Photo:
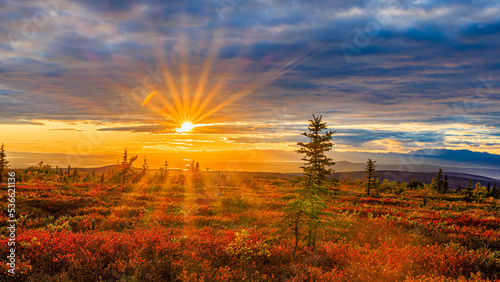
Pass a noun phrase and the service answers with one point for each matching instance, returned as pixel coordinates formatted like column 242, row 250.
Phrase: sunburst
column 186, row 127
column 192, row 93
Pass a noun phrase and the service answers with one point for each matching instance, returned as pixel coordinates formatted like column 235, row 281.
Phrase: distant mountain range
column 460, row 156
column 454, row 179
column 455, row 158
column 427, row 160
column 408, row 169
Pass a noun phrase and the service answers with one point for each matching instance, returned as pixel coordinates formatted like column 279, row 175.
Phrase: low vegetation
column 228, row 230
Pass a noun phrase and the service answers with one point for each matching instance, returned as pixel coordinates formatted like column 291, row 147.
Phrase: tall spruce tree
column 3, row 162
column 370, row 175
column 316, row 167
column 303, row 210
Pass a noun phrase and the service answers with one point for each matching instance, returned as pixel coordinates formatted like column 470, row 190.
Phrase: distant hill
column 493, row 173
column 479, row 159
column 108, row 168
column 425, row 160
column 101, row 169
column 454, row 178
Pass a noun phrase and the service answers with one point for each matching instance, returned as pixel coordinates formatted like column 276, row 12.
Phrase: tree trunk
column 296, row 234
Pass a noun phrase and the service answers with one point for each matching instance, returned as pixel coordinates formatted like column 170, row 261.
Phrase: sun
column 186, row 127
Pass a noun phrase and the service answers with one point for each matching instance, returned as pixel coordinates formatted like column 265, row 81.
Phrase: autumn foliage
column 225, row 231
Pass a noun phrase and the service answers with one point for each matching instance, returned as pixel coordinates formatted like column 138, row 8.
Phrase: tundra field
column 223, row 226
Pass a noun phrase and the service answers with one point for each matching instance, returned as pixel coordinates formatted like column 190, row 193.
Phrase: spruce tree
column 446, row 185
column 145, row 166
column 437, row 183
column 164, row 171
column 495, row 193
column 316, row 169
column 370, row 175
column 194, row 167
column 102, row 179
column 469, row 192
column 303, row 210
column 75, row 175
column 195, row 173
column 126, row 166
column 3, row 162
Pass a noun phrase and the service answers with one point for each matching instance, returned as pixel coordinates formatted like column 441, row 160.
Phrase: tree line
column 120, row 175
column 440, row 184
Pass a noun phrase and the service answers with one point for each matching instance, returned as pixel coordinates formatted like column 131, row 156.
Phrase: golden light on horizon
column 186, row 127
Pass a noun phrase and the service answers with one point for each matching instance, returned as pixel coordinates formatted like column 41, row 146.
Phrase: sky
column 82, row 80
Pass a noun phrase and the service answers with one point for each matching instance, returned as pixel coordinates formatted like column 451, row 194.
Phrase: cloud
column 140, row 128
column 67, row 129
column 10, row 121
column 107, row 6
column 357, row 137
column 481, row 29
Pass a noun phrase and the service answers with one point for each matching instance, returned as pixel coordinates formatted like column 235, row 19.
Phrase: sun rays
column 197, row 84
column 192, row 84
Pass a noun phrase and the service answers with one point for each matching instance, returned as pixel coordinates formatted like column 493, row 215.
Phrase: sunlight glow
column 191, row 87
column 187, row 86
column 148, row 98
column 186, row 127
